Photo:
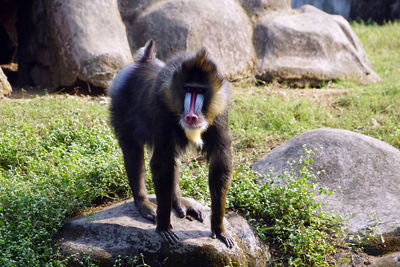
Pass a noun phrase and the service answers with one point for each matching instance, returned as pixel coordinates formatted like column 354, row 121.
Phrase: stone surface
column 5, row 87
column 390, row 260
column 220, row 26
column 90, row 38
column 69, row 41
column 120, row 230
column 309, row 47
column 259, row 7
column 364, row 173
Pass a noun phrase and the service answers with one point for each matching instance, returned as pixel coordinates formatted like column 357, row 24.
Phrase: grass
column 58, row 156
column 287, row 215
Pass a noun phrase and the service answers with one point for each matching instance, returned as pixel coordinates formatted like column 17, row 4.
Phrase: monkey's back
column 132, row 102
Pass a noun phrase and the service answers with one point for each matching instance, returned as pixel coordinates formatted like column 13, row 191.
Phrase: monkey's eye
column 200, row 90
column 189, row 89
column 195, row 87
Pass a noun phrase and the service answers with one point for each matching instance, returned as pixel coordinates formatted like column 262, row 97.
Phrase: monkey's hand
column 185, row 209
column 147, row 209
column 225, row 238
column 168, row 236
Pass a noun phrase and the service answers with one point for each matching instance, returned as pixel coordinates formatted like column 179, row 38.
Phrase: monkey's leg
column 219, row 179
column 218, row 143
column 134, row 165
column 184, row 208
column 163, row 170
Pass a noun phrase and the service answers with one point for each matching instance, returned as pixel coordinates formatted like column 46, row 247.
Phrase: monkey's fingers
column 195, row 213
column 225, row 238
column 169, row 236
column 186, row 209
column 147, row 210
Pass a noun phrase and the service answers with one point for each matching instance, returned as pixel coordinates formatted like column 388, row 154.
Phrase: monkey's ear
column 201, row 55
column 146, row 53
column 149, row 49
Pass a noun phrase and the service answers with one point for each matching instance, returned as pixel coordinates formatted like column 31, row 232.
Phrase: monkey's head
column 196, row 92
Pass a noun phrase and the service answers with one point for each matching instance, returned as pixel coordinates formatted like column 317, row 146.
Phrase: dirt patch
column 325, row 96
column 322, row 96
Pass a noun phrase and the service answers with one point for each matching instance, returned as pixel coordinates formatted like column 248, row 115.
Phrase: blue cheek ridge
column 199, row 103
column 188, row 97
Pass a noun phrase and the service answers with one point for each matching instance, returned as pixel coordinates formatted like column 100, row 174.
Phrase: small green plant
column 137, row 261
column 287, row 214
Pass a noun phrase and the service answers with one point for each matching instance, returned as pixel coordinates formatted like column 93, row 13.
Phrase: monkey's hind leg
column 134, row 165
column 185, row 208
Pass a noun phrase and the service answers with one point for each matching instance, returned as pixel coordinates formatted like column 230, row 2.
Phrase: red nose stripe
column 192, row 104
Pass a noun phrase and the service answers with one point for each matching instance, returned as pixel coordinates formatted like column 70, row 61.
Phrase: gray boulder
column 5, row 87
column 256, row 8
column 83, row 40
column 220, row 26
column 309, row 46
column 363, row 172
column 119, row 230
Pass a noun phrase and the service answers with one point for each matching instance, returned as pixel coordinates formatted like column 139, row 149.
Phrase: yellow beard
column 194, row 135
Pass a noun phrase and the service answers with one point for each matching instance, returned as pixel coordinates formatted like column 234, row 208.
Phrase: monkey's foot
column 168, row 236
column 147, row 209
column 225, row 238
column 185, row 209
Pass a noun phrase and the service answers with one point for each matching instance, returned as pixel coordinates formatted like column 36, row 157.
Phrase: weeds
column 286, row 213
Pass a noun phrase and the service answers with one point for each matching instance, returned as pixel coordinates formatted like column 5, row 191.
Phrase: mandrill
column 169, row 106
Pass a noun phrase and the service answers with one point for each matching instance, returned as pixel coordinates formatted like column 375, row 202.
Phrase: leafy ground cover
column 59, row 156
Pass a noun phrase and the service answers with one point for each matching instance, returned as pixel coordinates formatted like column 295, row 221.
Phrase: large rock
column 5, row 87
column 308, row 47
column 63, row 43
column 74, row 40
column 364, row 173
column 178, row 25
column 91, row 40
column 119, row 230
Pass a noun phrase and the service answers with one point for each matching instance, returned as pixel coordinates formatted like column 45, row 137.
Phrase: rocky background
column 52, row 44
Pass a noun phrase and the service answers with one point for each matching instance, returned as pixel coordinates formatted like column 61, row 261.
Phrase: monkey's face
column 196, row 92
column 192, row 118
column 192, row 115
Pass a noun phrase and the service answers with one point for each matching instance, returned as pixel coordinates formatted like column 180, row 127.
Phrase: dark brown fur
column 147, row 104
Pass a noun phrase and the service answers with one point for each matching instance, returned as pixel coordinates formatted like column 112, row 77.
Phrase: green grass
column 59, row 155
column 261, row 114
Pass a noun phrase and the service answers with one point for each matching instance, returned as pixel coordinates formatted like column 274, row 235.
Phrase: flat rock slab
column 363, row 172
column 119, row 230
